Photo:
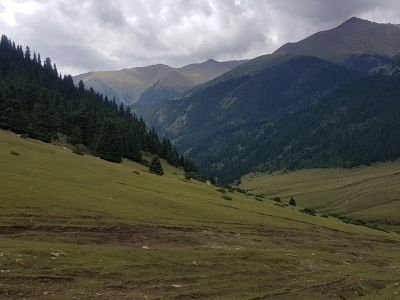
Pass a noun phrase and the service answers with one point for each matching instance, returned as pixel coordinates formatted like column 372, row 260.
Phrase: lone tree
column 292, row 202
column 155, row 166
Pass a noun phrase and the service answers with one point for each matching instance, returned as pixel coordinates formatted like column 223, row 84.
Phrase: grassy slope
column 371, row 193
column 73, row 226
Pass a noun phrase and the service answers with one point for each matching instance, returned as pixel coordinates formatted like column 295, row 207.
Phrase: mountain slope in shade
column 229, row 125
column 153, row 83
column 217, row 124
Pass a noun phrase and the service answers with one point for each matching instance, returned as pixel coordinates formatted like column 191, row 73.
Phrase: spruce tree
column 44, row 125
column 75, row 137
column 155, row 166
column 109, row 145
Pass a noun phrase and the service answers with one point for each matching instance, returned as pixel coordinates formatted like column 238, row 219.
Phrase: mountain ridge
column 128, row 85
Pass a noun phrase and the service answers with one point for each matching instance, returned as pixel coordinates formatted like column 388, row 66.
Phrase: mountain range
column 153, row 84
column 324, row 101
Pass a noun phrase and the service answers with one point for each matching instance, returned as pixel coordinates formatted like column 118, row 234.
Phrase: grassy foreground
column 74, row 227
column 371, row 192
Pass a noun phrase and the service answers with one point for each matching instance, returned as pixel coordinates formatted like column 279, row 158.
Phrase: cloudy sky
column 93, row 35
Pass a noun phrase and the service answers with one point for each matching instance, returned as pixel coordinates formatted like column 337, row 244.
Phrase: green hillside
column 78, row 227
column 370, row 193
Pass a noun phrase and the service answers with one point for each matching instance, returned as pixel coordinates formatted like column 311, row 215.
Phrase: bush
column 195, row 176
column 277, row 199
column 78, row 150
column 14, row 153
column 259, row 199
column 240, row 190
column 221, row 190
column 308, row 211
column 155, row 166
column 292, row 202
column 226, row 197
column 145, row 163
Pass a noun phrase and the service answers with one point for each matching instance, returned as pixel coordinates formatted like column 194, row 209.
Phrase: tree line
column 38, row 102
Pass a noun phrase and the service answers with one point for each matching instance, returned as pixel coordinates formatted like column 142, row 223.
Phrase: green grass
column 370, row 193
column 78, row 226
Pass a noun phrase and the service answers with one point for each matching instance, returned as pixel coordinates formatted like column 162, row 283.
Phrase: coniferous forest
column 37, row 102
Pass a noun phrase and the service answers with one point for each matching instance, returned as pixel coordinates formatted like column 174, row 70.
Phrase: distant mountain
column 288, row 109
column 343, row 45
column 153, row 84
column 355, row 36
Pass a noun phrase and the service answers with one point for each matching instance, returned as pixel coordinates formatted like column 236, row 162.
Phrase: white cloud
column 85, row 35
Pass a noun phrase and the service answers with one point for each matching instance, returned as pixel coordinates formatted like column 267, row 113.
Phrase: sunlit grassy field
column 78, row 227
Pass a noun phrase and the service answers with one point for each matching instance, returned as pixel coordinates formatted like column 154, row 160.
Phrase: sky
column 93, row 35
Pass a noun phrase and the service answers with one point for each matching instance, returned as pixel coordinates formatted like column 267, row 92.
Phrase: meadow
column 370, row 193
column 78, row 227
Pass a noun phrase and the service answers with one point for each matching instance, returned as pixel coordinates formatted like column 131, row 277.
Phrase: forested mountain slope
column 37, row 102
column 221, row 126
column 306, row 105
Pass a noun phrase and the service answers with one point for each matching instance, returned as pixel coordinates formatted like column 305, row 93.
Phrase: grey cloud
column 108, row 12
column 85, row 35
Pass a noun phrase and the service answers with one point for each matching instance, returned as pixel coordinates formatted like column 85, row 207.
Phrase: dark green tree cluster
column 35, row 100
column 155, row 166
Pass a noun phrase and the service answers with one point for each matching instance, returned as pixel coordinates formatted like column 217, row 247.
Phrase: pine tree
column 27, row 54
column 109, row 146
column 81, row 86
column 44, row 125
column 75, row 136
column 155, row 166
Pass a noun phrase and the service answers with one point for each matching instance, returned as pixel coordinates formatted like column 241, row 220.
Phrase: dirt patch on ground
column 142, row 237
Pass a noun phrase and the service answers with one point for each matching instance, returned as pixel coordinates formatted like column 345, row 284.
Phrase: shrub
column 277, row 199
column 226, row 197
column 221, row 190
column 259, row 199
column 292, row 202
column 240, row 190
column 145, row 163
column 155, row 166
column 308, row 211
column 78, row 150
column 195, row 176
column 14, row 153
